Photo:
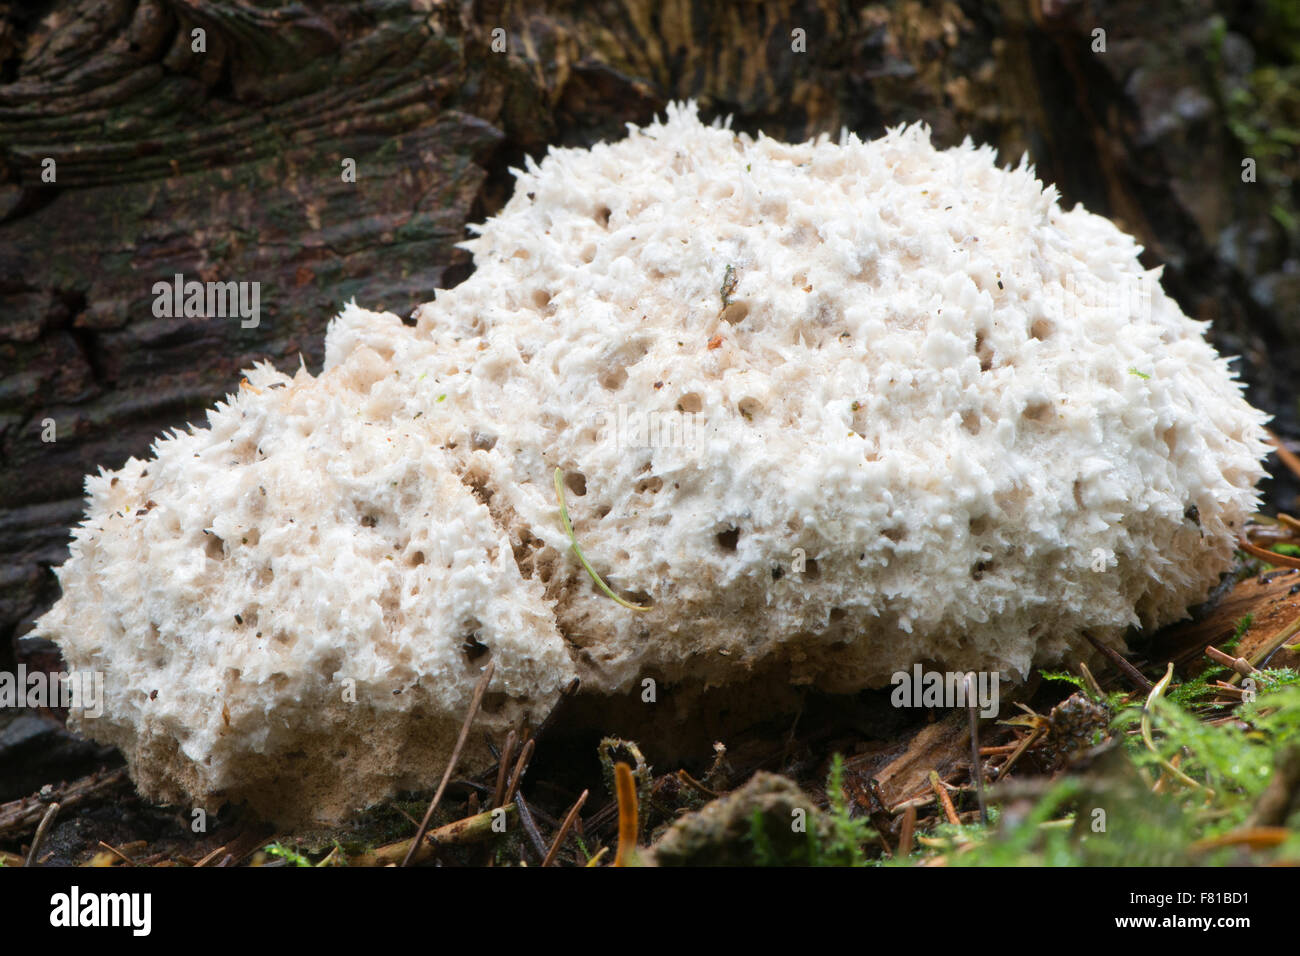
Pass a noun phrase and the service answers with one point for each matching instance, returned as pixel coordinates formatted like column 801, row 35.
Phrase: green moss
column 288, row 854
column 843, row 846
column 1116, row 815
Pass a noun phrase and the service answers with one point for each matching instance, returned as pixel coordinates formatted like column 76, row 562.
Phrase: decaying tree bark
column 140, row 139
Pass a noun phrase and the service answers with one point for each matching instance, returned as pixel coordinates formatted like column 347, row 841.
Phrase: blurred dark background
column 224, row 164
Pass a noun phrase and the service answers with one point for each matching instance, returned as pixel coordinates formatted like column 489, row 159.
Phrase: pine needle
column 573, row 540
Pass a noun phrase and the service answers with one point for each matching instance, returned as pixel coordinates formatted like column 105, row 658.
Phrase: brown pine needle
column 214, row 855
column 569, row 819
column 942, row 793
column 998, row 749
column 565, row 695
column 41, row 830
column 525, row 757
column 414, row 822
column 1119, row 660
column 1287, row 520
column 503, row 769
column 695, row 785
column 1272, row 557
column 117, row 853
column 474, row 704
column 625, row 785
column 1091, row 681
column 1019, row 752
column 1257, row 838
column 1284, row 454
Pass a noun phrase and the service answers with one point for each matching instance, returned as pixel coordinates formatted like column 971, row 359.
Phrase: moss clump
column 767, row 822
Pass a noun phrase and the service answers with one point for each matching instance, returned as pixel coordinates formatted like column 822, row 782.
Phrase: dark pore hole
column 473, row 647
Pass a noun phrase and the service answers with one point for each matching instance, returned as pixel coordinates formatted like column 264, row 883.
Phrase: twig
column 948, row 809
column 28, row 811
column 1118, row 659
column 1269, row 647
column 46, row 820
column 1238, row 664
column 977, row 765
column 469, row 830
column 625, row 786
column 565, row 827
column 474, row 703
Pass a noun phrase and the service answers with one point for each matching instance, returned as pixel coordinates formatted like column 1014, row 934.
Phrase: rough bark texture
column 225, row 165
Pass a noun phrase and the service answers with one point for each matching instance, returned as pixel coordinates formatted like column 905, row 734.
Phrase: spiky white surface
column 889, row 359
column 281, row 604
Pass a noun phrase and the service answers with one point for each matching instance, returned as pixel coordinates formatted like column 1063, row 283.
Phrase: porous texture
column 292, row 606
column 829, row 409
